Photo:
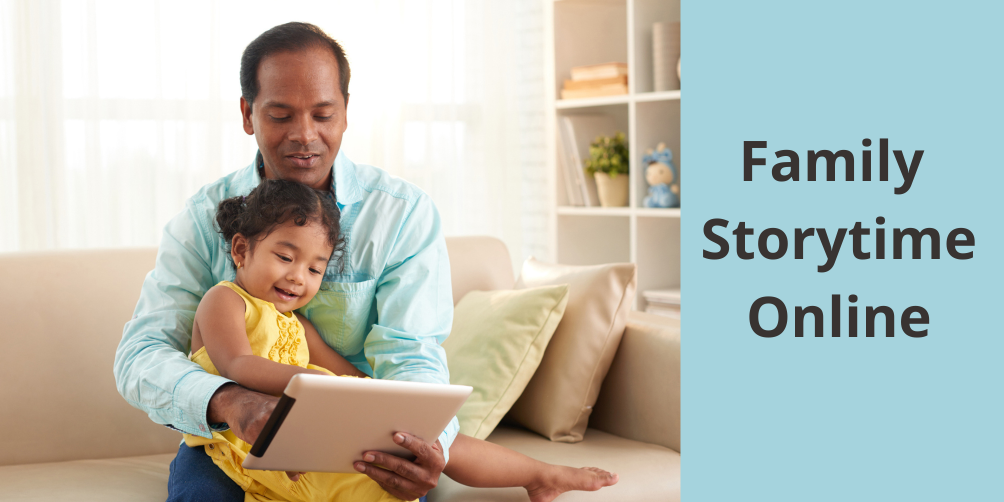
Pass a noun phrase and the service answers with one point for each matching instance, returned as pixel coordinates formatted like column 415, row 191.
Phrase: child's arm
column 324, row 356
column 219, row 321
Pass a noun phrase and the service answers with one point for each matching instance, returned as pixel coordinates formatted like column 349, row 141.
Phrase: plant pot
column 613, row 191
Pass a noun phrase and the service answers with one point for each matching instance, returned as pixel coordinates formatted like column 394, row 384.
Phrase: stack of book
column 608, row 79
column 665, row 302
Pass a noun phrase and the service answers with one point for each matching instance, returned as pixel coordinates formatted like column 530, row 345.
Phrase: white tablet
column 325, row 423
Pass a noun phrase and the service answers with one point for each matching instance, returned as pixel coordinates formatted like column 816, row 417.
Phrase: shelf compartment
column 656, row 121
column 645, row 13
column 594, row 239
column 588, row 33
column 620, row 122
column 658, row 255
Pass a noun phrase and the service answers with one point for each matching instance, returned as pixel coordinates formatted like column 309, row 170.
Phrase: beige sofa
column 70, row 436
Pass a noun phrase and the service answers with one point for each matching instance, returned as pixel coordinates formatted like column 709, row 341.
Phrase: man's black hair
column 288, row 37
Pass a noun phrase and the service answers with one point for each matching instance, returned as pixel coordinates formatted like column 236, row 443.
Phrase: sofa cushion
column 496, row 344
column 135, row 479
column 478, row 264
column 558, row 400
column 58, row 352
column 633, row 404
column 647, row 472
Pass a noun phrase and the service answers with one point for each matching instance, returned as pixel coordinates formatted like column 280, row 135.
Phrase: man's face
column 298, row 117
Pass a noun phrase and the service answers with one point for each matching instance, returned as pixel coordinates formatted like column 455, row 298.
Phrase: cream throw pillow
column 558, row 400
column 497, row 341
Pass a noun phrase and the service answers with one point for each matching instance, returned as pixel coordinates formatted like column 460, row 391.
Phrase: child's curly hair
column 274, row 202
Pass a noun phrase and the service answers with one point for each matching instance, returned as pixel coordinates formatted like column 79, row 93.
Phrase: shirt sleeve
column 152, row 369
column 414, row 298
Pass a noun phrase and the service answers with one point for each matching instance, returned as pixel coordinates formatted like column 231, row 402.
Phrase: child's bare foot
column 560, row 479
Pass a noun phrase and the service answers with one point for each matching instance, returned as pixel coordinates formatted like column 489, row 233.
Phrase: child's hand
column 294, row 476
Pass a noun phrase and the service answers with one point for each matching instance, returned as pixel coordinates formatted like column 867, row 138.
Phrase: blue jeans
column 195, row 478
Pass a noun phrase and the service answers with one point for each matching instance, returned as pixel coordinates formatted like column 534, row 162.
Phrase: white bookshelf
column 584, row 32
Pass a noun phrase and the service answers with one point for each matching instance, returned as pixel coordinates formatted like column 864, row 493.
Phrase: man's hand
column 402, row 478
column 244, row 410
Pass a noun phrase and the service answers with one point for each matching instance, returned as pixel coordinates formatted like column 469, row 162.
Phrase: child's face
column 286, row 267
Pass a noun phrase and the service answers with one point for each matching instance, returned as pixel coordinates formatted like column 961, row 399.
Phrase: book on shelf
column 570, row 174
column 575, row 176
column 608, row 79
column 598, row 71
column 664, row 302
column 577, row 131
column 591, row 84
column 593, row 92
column 671, row 312
column 662, row 296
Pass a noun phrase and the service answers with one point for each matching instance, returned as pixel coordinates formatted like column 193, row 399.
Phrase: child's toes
column 602, row 477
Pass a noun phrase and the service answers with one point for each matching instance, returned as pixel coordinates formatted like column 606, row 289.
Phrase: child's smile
column 286, row 295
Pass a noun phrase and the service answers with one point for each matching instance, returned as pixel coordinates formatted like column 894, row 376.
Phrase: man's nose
column 304, row 130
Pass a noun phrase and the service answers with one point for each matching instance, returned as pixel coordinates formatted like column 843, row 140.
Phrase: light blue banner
column 787, row 418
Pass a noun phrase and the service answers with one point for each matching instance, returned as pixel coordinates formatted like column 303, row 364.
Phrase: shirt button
column 210, row 447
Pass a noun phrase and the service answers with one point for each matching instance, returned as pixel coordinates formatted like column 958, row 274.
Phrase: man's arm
column 152, row 370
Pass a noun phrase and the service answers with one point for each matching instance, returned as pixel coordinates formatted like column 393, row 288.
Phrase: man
column 386, row 311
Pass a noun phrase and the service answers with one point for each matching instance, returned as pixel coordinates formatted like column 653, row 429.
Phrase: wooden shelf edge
column 621, row 99
column 565, row 104
column 673, row 212
column 643, row 97
column 593, row 211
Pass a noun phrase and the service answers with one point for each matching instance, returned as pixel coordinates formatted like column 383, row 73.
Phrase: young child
column 281, row 237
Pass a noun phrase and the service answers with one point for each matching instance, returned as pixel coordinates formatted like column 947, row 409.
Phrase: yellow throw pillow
column 498, row 339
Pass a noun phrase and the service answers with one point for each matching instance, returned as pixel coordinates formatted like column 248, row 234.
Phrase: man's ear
column 345, row 118
column 240, row 249
column 246, row 114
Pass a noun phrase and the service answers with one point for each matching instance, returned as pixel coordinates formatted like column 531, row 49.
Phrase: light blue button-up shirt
column 387, row 311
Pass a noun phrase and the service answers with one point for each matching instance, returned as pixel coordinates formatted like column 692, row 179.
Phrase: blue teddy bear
column 662, row 178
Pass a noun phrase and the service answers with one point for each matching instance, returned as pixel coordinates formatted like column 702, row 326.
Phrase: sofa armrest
column 640, row 397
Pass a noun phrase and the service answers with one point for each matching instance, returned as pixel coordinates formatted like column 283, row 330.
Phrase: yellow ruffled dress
column 280, row 338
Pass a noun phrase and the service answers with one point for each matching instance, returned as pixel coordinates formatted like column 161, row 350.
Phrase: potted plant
column 608, row 163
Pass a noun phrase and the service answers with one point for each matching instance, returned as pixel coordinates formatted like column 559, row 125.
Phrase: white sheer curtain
column 112, row 113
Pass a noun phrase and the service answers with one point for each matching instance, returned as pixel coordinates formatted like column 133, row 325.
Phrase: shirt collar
column 344, row 183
